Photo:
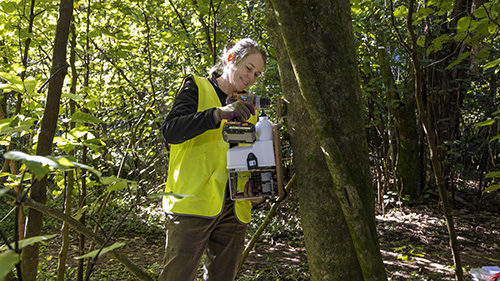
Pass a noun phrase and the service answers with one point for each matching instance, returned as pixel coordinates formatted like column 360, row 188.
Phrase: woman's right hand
column 239, row 110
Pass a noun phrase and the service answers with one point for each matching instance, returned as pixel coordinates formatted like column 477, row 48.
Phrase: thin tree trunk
column 70, row 176
column 432, row 142
column 46, row 135
column 403, row 110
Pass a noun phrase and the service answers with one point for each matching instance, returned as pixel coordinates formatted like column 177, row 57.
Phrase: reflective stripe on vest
column 197, row 168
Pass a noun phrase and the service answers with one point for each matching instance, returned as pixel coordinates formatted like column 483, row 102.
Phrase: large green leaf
column 105, row 250
column 15, row 82
column 8, row 261
column 401, row 11
column 40, row 165
column 492, row 188
column 491, row 64
column 495, row 174
column 485, row 123
column 29, row 241
column 85, row 118
column 114, row 183
column 16, row 126
column 459, row 60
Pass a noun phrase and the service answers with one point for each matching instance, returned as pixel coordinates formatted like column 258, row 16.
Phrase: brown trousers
column 222, row 239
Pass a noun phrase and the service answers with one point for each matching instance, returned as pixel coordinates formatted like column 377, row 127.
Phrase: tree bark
column 46, row 135
column 330, row 250
column 319, row 42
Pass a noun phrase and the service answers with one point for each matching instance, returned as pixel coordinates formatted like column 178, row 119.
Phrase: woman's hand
column 239, row 110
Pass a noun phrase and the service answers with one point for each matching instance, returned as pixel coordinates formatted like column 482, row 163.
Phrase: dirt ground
column 413, row 240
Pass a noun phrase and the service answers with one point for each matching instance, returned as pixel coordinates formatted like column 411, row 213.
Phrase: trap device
column 254, row 166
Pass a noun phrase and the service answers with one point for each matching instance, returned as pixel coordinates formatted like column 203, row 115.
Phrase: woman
column 206, row 220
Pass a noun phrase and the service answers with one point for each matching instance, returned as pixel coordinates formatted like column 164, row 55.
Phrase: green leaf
column 30, row 85
column 79, row 131
column 463, row 24
column 72, row 96
column 80, row 212
column 492, row 188
column 485, row 123
column 85, row 118
column 421, row 41
column 94, row 144
column 459, row 60
column 480, row 12
column 493, row 174
column 8, row 261
column 437, row 43
column 114, row 183
column 88, row 168
column 424, row 12
column 39, row 165
column 15, row 81
column 29, row 241
column 16, row 126
column 3, row 191
column 9, row 7
column 103, row 251
column 495, row 138
column 9, row 87
column 401, row 11
column 491, row 64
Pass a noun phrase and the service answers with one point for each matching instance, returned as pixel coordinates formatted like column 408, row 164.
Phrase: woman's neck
column 223, row 85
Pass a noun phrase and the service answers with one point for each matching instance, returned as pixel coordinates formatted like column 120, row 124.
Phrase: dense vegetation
column 125, row 60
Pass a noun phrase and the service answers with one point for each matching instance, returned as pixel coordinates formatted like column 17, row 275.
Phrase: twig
column 62, row 68
column 94, row 259
column 266, row 222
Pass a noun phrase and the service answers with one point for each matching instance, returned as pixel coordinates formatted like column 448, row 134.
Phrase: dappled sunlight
column 415, row 244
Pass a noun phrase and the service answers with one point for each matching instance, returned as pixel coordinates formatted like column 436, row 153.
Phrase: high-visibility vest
column 197, row 168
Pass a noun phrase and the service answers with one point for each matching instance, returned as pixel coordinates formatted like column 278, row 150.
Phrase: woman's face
column 244, row 73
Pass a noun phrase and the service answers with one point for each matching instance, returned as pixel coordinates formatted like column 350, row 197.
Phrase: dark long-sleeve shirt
column 184, row 122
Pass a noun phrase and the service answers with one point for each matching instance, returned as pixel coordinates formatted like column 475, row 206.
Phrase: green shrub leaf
column 105, row 250
column 8, row 261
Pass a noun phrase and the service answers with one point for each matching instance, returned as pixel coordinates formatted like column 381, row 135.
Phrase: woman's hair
column 240, row 49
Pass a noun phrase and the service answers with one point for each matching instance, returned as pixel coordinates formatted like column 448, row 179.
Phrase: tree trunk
column 404, row 112
column 330, row 250
column 319, row 42
column 70, row 175
column 46, row 135
column 427, row 112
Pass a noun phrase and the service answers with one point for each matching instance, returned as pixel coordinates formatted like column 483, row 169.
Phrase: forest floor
column 413, row 240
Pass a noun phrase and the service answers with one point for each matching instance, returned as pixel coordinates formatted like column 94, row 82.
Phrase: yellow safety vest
column 197, row 168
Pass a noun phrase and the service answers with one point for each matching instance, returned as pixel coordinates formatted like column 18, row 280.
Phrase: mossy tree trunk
column 403, row 107
column 330, row 251
column 319, row 44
